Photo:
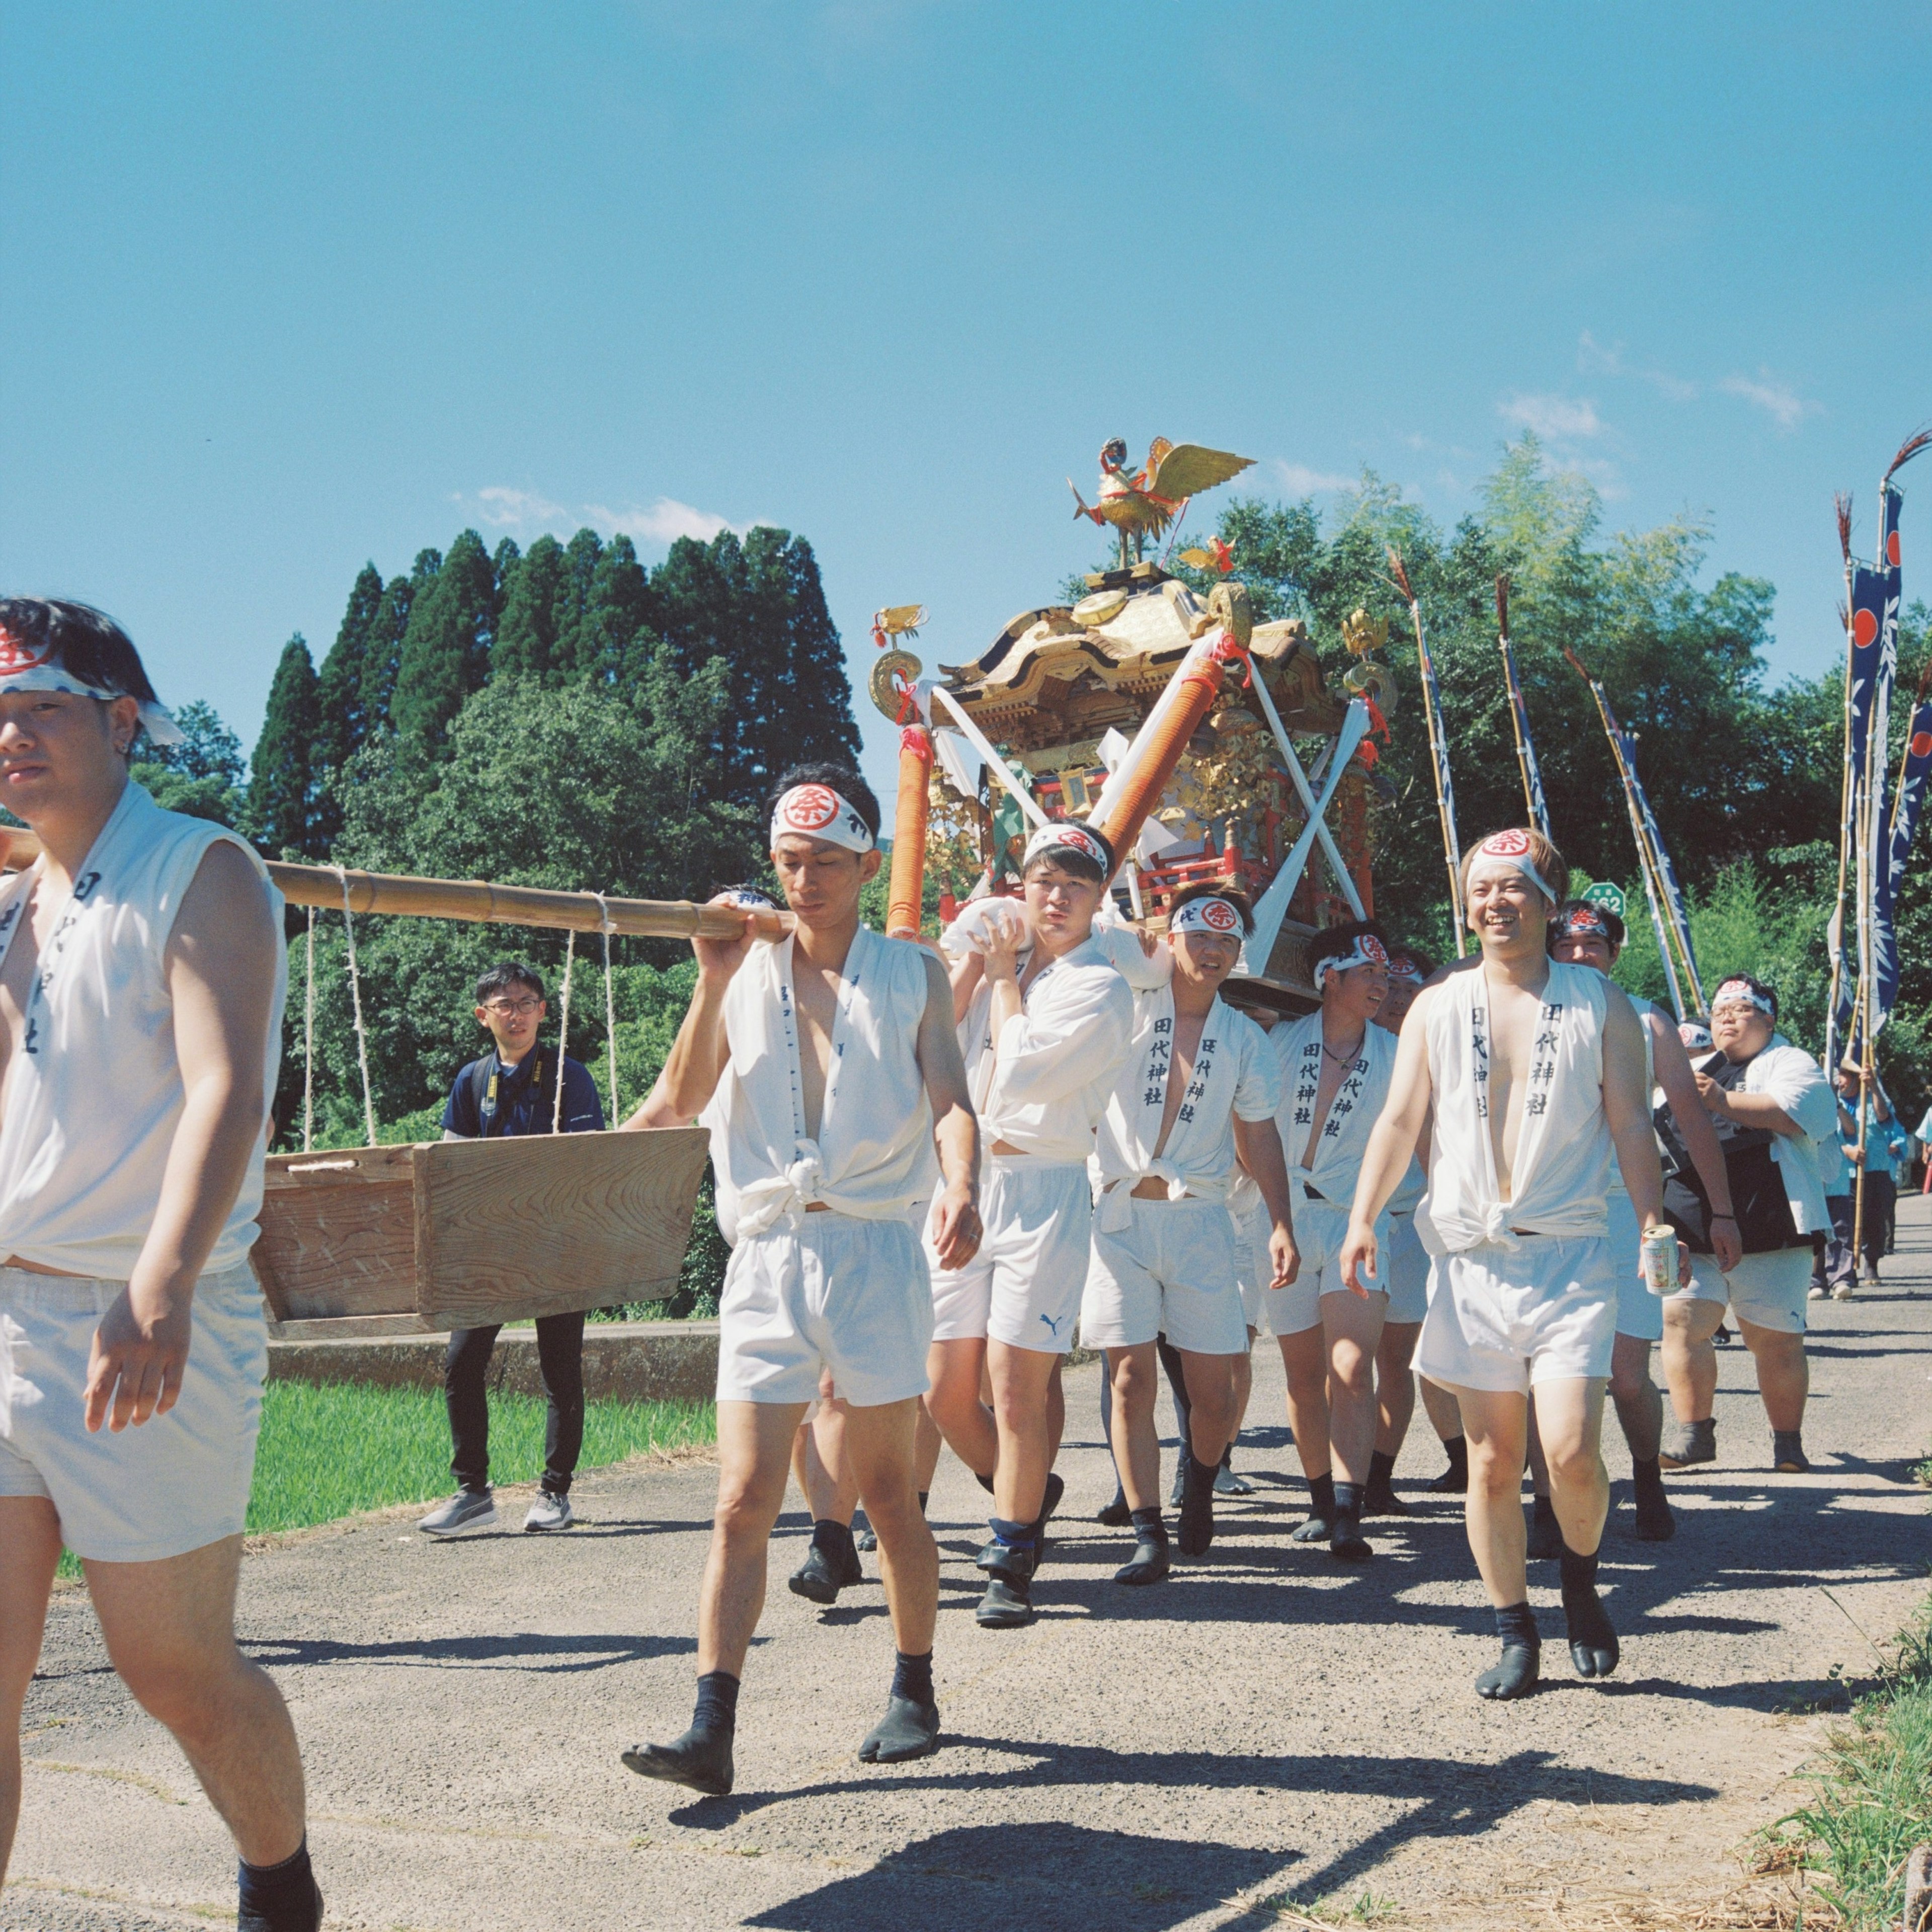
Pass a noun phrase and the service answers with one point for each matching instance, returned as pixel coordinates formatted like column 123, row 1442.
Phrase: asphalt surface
column 1269, row 1730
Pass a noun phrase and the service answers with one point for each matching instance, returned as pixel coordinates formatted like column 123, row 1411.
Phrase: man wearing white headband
column 142, row 976
column 826, row 1068
column 1585, row 934
column 1535, row 1072
column 1198, row 1084
column 1335, row 1068
column 1771, row 1106
column 1055, row 1033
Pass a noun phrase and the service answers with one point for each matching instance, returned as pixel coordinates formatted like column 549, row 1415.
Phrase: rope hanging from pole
column 355, row 1001
column 308, row 1040
column 563, row 1035
column 610, row 1005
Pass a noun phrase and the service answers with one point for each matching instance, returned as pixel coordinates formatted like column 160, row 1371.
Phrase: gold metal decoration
column 884, row 683
column 1141, row 503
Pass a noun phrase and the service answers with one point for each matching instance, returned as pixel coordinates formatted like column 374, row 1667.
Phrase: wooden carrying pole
column 905, row 903
column 473, row 900
column 1155, row 754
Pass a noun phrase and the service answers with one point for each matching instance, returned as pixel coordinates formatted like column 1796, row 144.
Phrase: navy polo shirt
column 526, row 1097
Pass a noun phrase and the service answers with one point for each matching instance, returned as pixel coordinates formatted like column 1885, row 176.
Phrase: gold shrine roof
column 1050, row 679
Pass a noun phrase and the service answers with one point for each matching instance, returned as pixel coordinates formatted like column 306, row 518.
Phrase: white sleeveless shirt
column 94, row 1095
column 1352, row 1114
column 874, row 1155
column 1563, row 1145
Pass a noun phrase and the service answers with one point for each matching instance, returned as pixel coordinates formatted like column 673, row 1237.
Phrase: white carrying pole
column 994, row 763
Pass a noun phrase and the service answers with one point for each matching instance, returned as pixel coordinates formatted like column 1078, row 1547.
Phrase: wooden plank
column 540, row 1225
column 338, row 1234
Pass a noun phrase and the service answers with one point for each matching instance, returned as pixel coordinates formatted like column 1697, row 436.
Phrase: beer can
column 1660, row 1260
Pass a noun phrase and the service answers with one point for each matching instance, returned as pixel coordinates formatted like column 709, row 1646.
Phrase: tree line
column 564, row 717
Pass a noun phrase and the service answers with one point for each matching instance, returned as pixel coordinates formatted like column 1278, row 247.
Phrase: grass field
column 336, row 1449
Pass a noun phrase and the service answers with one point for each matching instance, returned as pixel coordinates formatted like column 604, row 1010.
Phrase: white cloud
column 1593, row 358
column 1553, row 417
column 663, row 522
column 1778, row 399
column 515, row 509
column 1303, row 481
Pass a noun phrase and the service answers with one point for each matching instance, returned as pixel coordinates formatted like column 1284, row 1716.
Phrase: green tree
column 758, row 604
column 342, row 716
column 383, row 652
column 201, row 776
column 446, row 652
column 281, row 787
column 526, row 643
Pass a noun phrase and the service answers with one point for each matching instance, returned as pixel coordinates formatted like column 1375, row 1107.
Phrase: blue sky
column 291, row 287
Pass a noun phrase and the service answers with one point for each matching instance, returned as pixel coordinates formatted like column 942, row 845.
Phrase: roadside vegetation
column 1871, row 1795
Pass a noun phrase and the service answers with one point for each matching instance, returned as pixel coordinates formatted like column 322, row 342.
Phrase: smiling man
column 142, row 975
column 1535, row 1070
column 826, row 1068
column 1199, row 1084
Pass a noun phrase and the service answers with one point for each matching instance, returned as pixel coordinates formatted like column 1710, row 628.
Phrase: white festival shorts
column 1171, row 1271
column 1404, row 1263
column 1023, row 1286
column 1503, row 1319
column 1767, row 1290
column 1254, row 1266
column 1319, row 1226
column 1639, row 1313
column 825, row 1292
column 173, row 1483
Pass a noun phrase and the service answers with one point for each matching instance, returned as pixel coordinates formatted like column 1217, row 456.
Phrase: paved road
column 1270, row 1725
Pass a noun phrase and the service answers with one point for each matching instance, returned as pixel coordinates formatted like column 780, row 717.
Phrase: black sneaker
column 1117, row 1514
column 1685, row 1443
column 1787, row 1453
column 1008, row 1602
column 1149, row 1563
column 821, row 1576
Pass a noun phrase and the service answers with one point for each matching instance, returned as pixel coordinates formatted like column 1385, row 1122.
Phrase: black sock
column 278, row 1898
column 1228, row 1457
column 1542, row 1509
column 922, row 1495
column 1322, row 1495
column 1646, row 1476
column 1579, row 1576
column 1014, row 1535
column 1149, row 1526
column 1517, row 1624
column 1382, row 1470
column 912, row 1678
column 1203, row 1473
column 833, row 1537
column 717, row 1702
column 1348, row 1501
column 985, row 1482
column 1457, row 1450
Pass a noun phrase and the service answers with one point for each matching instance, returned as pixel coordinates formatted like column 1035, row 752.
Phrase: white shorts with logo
column 175, row 1482
column 825, row 1292
column 1767, row 1290
column 1405, row 1269
column 1503, row 1319
column 1319, row 1226
column 1170, row 1272
column 1639, row 1312
column 1023, row 1286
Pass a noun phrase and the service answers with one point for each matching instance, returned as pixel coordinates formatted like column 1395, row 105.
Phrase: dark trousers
column 1833, row 1261
column 1881, row 1203
column 465, row 1375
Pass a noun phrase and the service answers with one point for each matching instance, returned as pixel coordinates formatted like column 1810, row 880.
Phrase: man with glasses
column 513, row 1089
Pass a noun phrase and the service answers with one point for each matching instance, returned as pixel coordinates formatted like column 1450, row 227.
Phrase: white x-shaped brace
column 1273, row 907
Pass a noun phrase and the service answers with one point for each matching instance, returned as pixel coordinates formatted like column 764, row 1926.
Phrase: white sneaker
column 465, row 1513
column 1843, row 1292
column 549, row 1512
column 1816, row 1292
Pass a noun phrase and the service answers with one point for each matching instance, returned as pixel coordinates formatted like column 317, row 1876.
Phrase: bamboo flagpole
column 1662, row 917
column 1438, row 747
column 1835, row 1010
column 1526, row 750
